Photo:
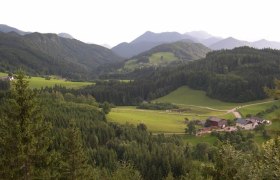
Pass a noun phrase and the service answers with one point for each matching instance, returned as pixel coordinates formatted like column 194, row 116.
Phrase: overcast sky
column 114, row 21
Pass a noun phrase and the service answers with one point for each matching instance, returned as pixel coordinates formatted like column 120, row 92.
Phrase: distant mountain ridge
column 50, row 54
column 6, row 29
column 181, row 49
column 167, row 54
column 150, row 39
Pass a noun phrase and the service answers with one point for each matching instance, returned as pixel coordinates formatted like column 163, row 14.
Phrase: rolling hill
column 166, row 54
column 50, row 54
column 147, row 41
column 229, row 43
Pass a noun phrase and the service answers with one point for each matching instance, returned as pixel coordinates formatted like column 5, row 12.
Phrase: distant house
column 11, row 78
column 215, row 122
column 7, row 78
column 247, row 123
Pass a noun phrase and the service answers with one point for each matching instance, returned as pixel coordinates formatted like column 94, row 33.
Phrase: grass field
column 186, row 96
column 257, row 108
column 156, row 121
column 3, row 74
column 161, row 58
column 160, row 121
column 39, row 82
column 156, row 59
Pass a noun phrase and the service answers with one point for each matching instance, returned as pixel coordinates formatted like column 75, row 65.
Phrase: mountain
column 210, row 41
column 50, row 54
column 181, row 49
column 166, row 54
column 65, row 35
column 6, row 29
column 147, row 41
column 229, row 43
column 127, row 50
column 266, row 44
column 161, row 37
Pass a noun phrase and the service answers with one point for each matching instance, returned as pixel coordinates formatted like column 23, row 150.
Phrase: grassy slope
column 154, row 60
column 160, row 121
column 38, row 82
column 155, row 121
column 167, row 57
column 186, row 96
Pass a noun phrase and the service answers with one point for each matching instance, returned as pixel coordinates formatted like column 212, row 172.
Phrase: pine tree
column 75, row 160
column 24, row 135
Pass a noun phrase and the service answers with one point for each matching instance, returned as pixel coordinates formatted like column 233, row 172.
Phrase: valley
column 164, row 106
column 194, row 105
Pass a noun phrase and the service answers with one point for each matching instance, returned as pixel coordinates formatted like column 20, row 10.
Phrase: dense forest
column 237, row 75
column 51, row 135
column 49, row 54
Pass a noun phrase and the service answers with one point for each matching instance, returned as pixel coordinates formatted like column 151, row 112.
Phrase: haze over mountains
column 149, row 40
column 61, row 54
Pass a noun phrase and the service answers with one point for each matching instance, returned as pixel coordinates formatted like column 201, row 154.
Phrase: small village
column 215, row 124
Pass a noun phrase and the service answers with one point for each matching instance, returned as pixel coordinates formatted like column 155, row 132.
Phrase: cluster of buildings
column 218, row 124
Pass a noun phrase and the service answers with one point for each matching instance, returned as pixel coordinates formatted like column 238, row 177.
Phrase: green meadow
column 162, row 58
column 3, row 74
column 156, row 59
column 186, row 96
column 161, row 121
column 39, row 82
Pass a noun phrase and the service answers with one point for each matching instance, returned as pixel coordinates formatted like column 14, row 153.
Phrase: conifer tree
column 24, row 135
column 75, row 160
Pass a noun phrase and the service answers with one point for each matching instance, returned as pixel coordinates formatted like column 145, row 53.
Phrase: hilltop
column 166, row 54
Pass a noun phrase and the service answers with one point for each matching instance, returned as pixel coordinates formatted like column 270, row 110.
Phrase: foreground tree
column 24, row 135
column 75, row 160
column 270, row 162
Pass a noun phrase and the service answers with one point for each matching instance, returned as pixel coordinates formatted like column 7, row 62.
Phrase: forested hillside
column 49, row 54
column 237, row 75
column 165, row 55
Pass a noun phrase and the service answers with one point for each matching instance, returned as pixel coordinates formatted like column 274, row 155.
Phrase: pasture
column 161, row 121
column 39, row 82
column 186, row 96
column 161, row 58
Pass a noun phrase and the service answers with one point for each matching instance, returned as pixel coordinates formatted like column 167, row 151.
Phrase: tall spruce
column 75, row 160
column 24, row 135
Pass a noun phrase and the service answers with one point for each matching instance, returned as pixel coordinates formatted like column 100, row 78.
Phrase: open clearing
column 185, row 96
column 161, row 58
column 160, row 121
column 40, row 82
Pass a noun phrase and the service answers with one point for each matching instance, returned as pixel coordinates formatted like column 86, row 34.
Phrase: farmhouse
column 9, row 78
column 215, row 122
column 247, row 123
